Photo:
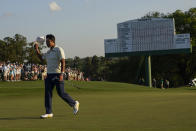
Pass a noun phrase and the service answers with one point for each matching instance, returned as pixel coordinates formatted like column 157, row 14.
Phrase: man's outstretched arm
column 38, row 51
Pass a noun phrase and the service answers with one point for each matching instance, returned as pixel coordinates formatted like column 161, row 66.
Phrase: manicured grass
column 104, row 106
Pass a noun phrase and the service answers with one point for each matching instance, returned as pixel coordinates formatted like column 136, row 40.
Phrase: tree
column 154, row 14
column 2, row 51
column 10, row 50
column 69, row 63
column 13, row 49
column 87, row 67
column 95, row 68
column 20, row 44
column 76, row 62
column 186, row 23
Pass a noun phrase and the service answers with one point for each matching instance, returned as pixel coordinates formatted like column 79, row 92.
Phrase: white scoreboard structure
column 149, row 36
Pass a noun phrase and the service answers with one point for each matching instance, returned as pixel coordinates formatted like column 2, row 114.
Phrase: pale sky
column 80, row 26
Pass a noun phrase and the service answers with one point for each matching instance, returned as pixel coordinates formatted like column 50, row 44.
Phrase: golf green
column 104, row 106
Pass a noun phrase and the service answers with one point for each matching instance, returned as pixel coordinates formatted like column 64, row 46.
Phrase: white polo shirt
column 53, row 58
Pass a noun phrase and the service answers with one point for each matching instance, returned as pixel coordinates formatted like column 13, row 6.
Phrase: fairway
column 104, row 106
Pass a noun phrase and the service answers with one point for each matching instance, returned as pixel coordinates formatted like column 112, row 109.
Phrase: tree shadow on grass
column 19, row 118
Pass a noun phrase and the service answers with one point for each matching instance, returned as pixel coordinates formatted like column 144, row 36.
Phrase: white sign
column 182, row 41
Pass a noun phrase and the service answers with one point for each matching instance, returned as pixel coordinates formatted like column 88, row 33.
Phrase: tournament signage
column 147, row 36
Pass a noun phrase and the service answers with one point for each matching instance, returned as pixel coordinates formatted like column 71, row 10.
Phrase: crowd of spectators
column 74, row 74
column 17, row 72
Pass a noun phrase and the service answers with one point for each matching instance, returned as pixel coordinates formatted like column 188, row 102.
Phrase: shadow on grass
column 18, row 118
column 191, row 89
column 26, row 118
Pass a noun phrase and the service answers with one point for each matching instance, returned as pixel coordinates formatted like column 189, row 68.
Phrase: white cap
column 40, row 39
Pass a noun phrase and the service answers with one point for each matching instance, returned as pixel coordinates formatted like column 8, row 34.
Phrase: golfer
column 55, row 59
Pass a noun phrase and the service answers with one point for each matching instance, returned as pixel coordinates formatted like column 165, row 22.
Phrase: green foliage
column 94, row 67
column 154, row 14
column 13, row 49
column 76, row 62
column 3, row 51
column 17, row 49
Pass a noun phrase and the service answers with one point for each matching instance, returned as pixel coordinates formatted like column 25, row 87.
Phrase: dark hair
column 51, row 37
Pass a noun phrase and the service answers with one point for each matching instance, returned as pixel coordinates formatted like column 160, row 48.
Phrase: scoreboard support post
column 148, row 70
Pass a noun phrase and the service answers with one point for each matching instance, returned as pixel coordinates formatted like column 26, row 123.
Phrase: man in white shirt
column 55, row 59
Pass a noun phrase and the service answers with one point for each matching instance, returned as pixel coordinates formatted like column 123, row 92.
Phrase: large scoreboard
column 147, row 36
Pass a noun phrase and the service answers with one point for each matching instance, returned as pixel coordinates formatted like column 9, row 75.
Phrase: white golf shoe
column 46, row 116
column 76, row 108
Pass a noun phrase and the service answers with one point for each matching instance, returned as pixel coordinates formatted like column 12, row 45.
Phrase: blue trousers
column 51, row 81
